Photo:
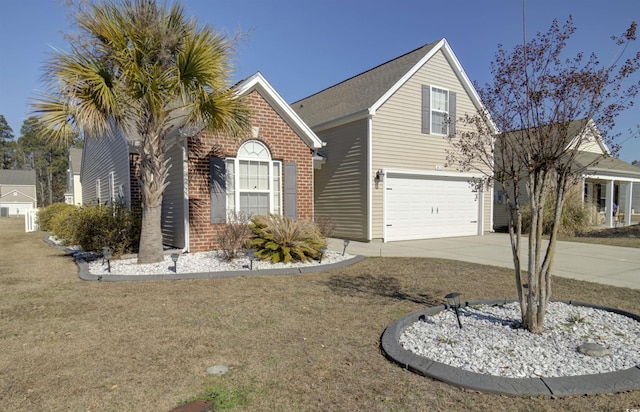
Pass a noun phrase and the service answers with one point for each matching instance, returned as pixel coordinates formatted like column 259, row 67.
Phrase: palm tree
column 148, row 70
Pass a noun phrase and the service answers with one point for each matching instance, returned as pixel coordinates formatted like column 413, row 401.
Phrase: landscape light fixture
column 346, row 243
column 175, row 257
column 251, row 254
column 453, row 300
column 107, row 254
column 323, row 249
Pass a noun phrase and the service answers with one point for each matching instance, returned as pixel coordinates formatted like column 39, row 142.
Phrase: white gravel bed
column 201, row 262
column 488, row 344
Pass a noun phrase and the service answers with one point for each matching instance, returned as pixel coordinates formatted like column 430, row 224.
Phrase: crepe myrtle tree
column 150, row 71
column 539, row 101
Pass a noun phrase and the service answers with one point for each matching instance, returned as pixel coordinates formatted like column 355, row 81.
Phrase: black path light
column 323, row 250
column 346, row 243
column 251, row 254
column 175, row 257
column 107, row 254
column 453, row 300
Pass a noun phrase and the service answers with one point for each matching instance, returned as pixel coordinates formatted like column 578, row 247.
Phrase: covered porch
column 608, row 188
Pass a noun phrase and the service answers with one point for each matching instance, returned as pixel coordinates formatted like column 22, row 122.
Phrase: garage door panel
column 422, row 207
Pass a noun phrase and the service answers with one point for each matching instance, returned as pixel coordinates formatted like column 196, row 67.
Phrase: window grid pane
column 254, row 203
column 439, row 111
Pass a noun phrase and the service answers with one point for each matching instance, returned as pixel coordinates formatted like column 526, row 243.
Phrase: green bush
column 95, row 226
column 281, row 239
column 576, row 216
column 54, row 212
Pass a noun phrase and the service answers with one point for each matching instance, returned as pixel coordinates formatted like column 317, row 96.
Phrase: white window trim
column 236, row 180
column 431, row 110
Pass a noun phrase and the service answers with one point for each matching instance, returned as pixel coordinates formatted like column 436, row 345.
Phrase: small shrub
column 575, row 215
column 235, row 235
column 56, row 211
column 326, row 225
column 95, row 226
column 281, row 239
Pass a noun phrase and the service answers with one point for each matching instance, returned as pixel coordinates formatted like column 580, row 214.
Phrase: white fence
column 31, row 221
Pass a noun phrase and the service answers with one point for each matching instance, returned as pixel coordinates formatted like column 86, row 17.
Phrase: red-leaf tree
column 541, row 102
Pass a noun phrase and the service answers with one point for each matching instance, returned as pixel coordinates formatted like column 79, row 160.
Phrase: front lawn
column 292, row 343
column 626, row 236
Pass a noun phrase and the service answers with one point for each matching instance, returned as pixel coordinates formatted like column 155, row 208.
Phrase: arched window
column 254, row 181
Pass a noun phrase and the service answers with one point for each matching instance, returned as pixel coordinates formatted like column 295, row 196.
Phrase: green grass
column 223, row 398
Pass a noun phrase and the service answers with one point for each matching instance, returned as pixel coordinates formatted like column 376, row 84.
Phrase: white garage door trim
column 430, row 205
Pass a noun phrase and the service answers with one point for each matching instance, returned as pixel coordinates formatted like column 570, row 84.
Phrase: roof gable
column 259, row 83
column 363, row 94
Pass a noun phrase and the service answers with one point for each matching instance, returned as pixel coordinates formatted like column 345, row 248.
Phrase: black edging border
column 610, row 382
column 84, row 273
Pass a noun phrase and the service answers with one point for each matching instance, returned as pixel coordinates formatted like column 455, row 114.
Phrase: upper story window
column 438, row 111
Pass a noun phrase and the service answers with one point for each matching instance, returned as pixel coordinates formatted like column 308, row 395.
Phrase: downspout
column 185, row 185
column 491, row 198
column 369, row 175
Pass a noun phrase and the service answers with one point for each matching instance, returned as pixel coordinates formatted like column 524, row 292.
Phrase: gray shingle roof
column 357, row 93
column 606, row 164
column 17, row 177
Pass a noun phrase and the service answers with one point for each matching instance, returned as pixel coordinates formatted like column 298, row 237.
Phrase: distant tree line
column 33, row 151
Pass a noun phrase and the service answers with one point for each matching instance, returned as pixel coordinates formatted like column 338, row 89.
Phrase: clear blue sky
column 304, row 46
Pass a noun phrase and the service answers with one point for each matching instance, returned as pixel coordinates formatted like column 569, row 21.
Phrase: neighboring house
column 211, row 176
column 73, row 195
column 635, row 199
column 386, row 175
column 17, row 192
column 605, row 181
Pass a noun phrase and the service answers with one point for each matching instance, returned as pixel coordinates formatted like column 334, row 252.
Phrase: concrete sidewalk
column 610, row 265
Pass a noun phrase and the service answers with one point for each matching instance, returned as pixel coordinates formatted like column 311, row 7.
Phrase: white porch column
column 608, row 213
column 625, row 206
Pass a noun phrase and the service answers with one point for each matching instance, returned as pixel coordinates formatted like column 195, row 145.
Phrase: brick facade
column 284, row 145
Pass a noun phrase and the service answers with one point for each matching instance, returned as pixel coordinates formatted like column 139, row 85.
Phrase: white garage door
column 423, row 207
column 17, row 208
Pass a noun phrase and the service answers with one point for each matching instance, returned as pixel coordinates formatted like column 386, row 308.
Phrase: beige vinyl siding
column 398, row 141
column 102, row 156
column 501, row 210
column 173, row 201
column 340, row 186
column 18, row 198
column 18, row 193
column 590, row 143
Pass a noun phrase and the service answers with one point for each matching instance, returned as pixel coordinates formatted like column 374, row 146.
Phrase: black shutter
column 217, row 177
column 291, row 190
column 452, row 114
column 426, row 112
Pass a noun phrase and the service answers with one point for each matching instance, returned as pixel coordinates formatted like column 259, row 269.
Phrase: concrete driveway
column 610, row 265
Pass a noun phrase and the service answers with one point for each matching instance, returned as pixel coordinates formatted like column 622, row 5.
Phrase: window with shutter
column 253, row 181
column 438, row 111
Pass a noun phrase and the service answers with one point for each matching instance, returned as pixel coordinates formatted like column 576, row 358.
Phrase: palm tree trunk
column 150, row 250
column 153, row 180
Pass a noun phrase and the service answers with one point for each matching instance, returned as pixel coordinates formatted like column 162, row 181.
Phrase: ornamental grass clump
column 281, row 239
